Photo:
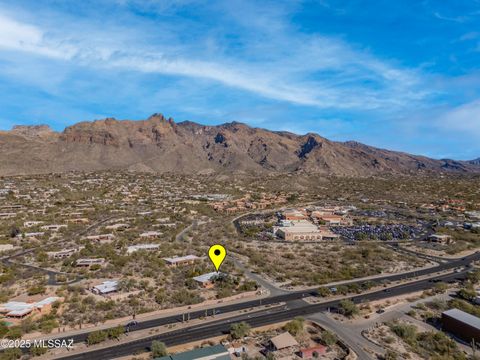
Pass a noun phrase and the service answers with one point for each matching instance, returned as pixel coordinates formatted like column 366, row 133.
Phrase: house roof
column 207, row 277
column 20, row 312
column 18, row 308
column 133, row 248
column 107, row 286
column 283, row 341
column 464, row 317
column 174, row 260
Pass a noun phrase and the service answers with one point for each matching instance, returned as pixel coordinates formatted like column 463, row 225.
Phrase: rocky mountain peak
column 160, row 144
column 32, row 131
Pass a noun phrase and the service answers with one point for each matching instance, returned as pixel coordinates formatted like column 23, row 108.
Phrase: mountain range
column 162, row 145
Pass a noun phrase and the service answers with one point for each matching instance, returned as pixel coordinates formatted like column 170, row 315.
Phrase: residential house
column 105, row 288
column 181, row 260
column 147, row 247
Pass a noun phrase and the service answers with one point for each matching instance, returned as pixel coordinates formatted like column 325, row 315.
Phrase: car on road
column 380, row 311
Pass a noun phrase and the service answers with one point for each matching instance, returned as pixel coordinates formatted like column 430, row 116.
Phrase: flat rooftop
column 464, row 317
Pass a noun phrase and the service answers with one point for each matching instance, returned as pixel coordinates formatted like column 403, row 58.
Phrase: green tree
column 467, row 293
column 390, row 355
column 324, row 291
column 38, row 350
column 239, row 330
column 295, row 326
column 329, row 338
column 3, row 328
column 116, row 332
column 348, row 308
column 405, row 331
column 158, row 349
column 96, row 337
column 474, row 276
column 440, row 288
column 15, row 332
column 36, row 289
column 47, row 326
column 11, row 354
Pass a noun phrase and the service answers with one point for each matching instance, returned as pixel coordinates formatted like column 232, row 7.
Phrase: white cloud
column 458, row 19
column 291, row 76
column 18, row 36
column 28, row 38
column 464, row 119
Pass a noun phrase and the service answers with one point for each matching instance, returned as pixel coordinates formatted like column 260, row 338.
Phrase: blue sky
column 402, row 75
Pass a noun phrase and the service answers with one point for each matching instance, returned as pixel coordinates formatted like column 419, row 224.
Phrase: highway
column 291, row 296
column 260, row 318
column 286, row 297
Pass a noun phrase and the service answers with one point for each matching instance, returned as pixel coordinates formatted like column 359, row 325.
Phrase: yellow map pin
column 217, row 254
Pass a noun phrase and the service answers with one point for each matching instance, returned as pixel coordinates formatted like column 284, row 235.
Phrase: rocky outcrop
column 162, row 145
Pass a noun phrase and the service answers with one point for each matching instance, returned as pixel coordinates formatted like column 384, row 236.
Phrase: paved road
column 397, row 247
column 308, row 309
column 265, row 317
column 351, row 338
column 180, row 235
column 52, row 274
column 291, row 296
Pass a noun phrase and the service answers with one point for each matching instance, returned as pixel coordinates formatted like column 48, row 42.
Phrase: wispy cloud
column 457, row 19
column 356, row 78
column 462, row 119
column 294, row 64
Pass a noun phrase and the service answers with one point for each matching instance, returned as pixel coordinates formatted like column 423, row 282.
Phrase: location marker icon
column 217, row 254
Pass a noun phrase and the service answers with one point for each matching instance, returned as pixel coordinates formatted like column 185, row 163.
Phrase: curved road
column 261, row 318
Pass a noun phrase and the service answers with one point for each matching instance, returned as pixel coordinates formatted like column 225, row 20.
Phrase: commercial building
column 440, row 238
column 217, row 352
column 300, row 230
column 304, row 231
column 294, row 215
column 461, row 324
